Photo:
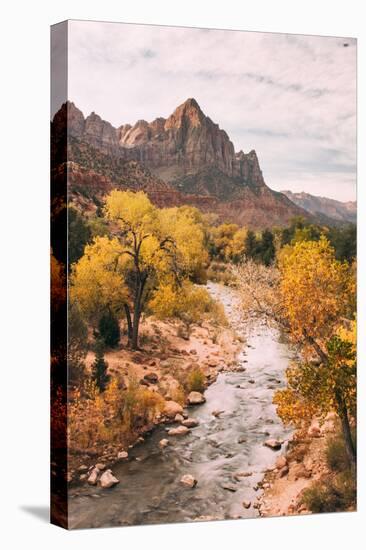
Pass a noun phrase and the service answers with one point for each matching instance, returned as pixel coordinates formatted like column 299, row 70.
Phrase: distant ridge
column 336, row 210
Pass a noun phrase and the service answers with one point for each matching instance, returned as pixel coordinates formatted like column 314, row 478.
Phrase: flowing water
column 149, row 490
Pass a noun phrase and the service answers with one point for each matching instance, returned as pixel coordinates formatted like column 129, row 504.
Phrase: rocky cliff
column 183, row 159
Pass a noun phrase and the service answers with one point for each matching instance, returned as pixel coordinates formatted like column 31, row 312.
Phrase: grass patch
column 335, row 494
column 337, row 491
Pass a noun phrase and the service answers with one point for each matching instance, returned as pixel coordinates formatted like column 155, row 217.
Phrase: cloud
column 290, row 97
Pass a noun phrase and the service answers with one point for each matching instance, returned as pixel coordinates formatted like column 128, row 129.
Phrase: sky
column 292, row 98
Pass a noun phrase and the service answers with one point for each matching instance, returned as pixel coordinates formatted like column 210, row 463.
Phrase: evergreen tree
column 267, row 250
column 250, row 244
column 109, row 329
column 100, row 366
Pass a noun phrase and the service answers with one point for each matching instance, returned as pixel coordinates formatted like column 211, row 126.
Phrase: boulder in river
column 171, row 409
column 247, row 504
column 100, row 466
column 242, row 439
column 273, row 444
column 181, row 430
column 238, row 475
column 190, row 422
column 196, row 398
column 188, row 481
column 93, row 478
column 163, row 443
column 216, row 414
column 178, row 418
column 122, row 455
column 107, row 480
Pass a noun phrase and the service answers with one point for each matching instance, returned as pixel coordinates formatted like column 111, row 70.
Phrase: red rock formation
column 184, row 159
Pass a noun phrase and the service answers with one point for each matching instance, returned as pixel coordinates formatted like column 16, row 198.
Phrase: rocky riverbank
column 296, row 470
column 201, row 461
column 169, row 351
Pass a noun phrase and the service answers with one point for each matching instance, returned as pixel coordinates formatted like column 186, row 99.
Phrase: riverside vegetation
column 144, row 332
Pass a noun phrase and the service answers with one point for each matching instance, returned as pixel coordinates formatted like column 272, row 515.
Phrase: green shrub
column 336, row 454
column 100, row 366
column 196, row 380
column 109, row 329
column 193, row 379
column 335, row 494
column 140, row 405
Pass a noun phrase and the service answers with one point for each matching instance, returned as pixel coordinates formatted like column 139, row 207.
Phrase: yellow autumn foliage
column 97, row 280
column 313, row 289
column 188, row 302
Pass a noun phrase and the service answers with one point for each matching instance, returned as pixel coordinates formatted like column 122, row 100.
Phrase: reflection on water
column 149, row 489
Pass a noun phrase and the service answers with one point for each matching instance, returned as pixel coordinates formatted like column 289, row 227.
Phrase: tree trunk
column 129, row 324
column 138, row 306
column 136, row 319
column 346, row 429
column 135, row 332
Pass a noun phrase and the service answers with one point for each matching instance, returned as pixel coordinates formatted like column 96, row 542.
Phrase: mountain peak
column 191, row 103
column 189, row 111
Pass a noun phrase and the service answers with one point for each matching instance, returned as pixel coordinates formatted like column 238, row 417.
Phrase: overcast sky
column 292, row 98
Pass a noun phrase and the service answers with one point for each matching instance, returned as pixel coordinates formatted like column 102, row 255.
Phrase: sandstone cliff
column 184, row 159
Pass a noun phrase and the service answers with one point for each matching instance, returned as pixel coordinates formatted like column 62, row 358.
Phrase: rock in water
column 122, row 455
column 181, row 430
column 273, row 444
column 196, row 398
column 107, row 480
column 247, row 504
column 216, row 414
column 190, row 422
column 93, row 478
column 229, row 487
column 178, row 418
column 163, row 443
column 188, row 481
column 171, row 409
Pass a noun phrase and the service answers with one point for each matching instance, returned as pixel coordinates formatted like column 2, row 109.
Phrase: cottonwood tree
column 309, row 295
column 149, row 247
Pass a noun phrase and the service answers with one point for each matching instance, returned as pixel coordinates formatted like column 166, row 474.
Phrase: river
column 149, row 490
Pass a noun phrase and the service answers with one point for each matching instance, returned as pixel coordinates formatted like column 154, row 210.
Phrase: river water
column 149, row 490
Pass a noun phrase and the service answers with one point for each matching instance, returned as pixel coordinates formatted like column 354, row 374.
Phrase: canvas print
column 203, row 262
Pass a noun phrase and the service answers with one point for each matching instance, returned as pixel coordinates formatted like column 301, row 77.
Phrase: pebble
column 107, row 479
column 122, row 454
column 181, row 430
column 188, row 481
